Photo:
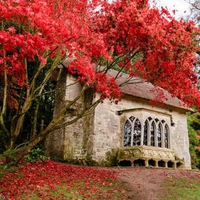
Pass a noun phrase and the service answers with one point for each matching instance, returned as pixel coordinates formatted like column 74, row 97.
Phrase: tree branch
column 5, row 90
column 3, row 110
column 84, row 112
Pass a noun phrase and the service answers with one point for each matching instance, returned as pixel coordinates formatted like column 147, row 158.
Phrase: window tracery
column 153, row 129
column 132, row 132
column 137, row 133
column 166, row 136
column 159, row 135
column 153, row 132
column 145, row 132
column 127, row 133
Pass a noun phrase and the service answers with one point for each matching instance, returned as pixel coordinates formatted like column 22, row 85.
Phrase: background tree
column 193, row 118
column 194, row 131
column 36, row 36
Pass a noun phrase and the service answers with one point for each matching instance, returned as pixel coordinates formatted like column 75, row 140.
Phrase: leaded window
column 145, row 132
column 166, row 136
column 159, row 135
column 153, row 129
column 127, row 133
column 132, row 132
column 137, row 133
column 132, row 119
column 155, row 132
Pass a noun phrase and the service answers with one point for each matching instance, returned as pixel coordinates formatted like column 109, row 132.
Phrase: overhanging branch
column 84, row 112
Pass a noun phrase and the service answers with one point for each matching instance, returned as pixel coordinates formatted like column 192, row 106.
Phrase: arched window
column 153, row 129
column 155, row 132
column 137, row 133
column 146, row 127
column 166, row 136
column 159, row 135
column 132, row 132
column 127, row 133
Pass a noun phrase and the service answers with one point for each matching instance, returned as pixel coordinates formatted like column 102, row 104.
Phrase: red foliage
column 164, row 48
column 165, row 45
column 42, row 177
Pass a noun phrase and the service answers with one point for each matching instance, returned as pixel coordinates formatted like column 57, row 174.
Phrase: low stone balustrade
column 149, row 157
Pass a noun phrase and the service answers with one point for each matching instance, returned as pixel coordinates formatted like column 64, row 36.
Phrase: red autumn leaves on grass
column 97, row 36
column 42, row 178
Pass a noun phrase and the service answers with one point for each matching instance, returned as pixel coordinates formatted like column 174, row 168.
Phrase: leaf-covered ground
column 52, row 180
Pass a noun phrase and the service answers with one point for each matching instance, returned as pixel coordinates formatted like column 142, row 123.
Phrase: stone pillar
column 156, row 161
column 162, row 137
column 149, row 134
column 146, row 163
column 169, row 138
column 132, row 163
column 142, row 133
column 166, row 164
column 156, row 135
column 174, row 165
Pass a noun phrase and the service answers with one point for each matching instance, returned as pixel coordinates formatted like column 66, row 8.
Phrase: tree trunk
column 14, row 156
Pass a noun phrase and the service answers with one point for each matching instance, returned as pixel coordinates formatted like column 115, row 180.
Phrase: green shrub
column 111, row 158
column 35, row 155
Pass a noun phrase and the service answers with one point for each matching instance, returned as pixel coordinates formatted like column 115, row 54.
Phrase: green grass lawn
column 182, row 189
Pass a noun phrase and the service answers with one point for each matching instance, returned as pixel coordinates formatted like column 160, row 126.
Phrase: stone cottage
column 140, row 134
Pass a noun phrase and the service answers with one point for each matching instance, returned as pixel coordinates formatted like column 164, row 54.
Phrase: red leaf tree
column 129, row 36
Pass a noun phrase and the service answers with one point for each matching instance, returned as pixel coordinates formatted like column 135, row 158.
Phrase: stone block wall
column 73, row 141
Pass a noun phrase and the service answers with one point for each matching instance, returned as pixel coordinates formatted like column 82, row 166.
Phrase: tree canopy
column 46, row 29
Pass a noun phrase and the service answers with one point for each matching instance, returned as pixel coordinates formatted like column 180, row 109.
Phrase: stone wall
column 109, row 126
column 73, row 141
column 54, row 145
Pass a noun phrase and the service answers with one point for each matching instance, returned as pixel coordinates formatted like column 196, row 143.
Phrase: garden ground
column 53, row 180
column 160, row 184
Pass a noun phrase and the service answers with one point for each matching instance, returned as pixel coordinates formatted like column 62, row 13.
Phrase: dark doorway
column 170, row 164
column 139, row 163
column 152, row 163
column 161, row 163
column 125, row 163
